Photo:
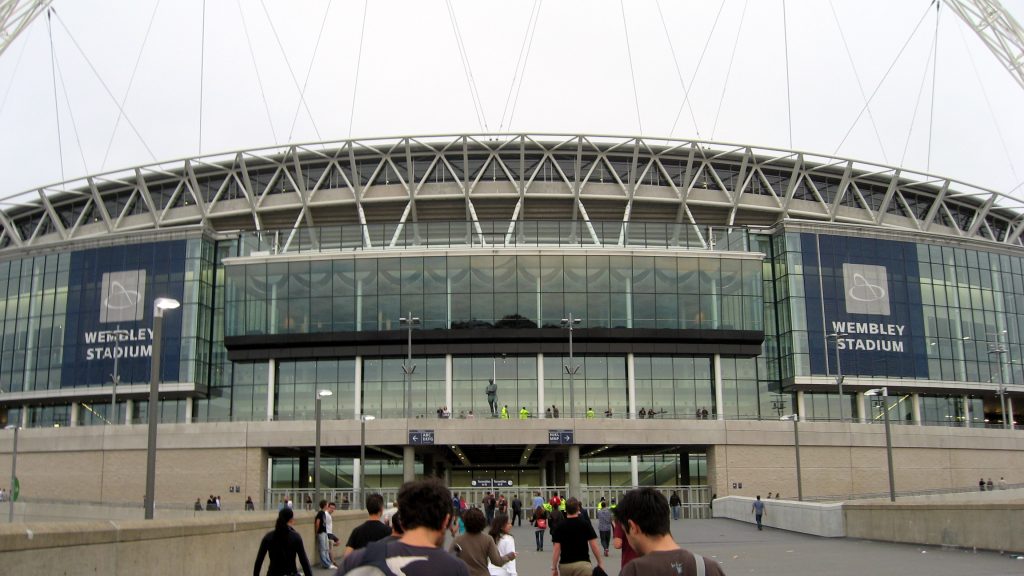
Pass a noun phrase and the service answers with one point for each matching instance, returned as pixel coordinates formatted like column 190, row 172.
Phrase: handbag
column 541, row 523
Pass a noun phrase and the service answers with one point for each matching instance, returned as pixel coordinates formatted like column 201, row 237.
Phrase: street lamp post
column 408, row 368
column 14, row 476
column 362, row 456
column 572, row 368
column 839, row 371
column 316, row 453
column 115, row 378
column 159, row 305
column 884, row 393
column 796, row 444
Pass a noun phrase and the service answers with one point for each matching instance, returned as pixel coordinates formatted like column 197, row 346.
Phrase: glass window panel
column 575, row 273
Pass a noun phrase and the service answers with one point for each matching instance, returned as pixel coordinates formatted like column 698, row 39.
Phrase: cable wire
column 202, row 69
column 106, row 88
column 71, row 113
column 856, row 75
column 526, row 61
column 255, row 66
column 935, row 72
column 789, row 101
column 882, row 81
column 632, row 73
column 312, row 59
column 728, row 72
column 131, row 80
column 527, row 37
column 56, row 106
column 291, row 72
column 988, row 104
column 917, row 105
column 14, row 73
column 693, row 79
column 467, row 68
column 359, row 60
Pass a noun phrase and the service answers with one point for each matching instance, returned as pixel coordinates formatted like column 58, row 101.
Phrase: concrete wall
column 216, row 544
column 997, row 527
column 807, row 517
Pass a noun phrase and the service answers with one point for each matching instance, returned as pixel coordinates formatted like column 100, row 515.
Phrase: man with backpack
column 425, row 508
column 644, row 515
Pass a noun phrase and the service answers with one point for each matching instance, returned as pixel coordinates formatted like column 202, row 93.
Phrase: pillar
column 448, row 383
column 634, row 471
column 408, row 464
column 540, row 392
column 188, row 410
column 800, row 408
column 967, row 411
column 684, row 469
column 357, row 402
column 271, row 388
column 719, row 408
column 574, row 472
column 916, row 403
column 1009, row 410
column 129, row 411
column 862, row 412
column 631, row 384
column 75, row 407
column 544, row 473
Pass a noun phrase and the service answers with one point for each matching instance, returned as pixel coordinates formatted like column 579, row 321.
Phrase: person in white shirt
column 501, row 528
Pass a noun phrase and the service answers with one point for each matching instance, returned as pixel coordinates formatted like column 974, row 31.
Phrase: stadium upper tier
column 505, row 177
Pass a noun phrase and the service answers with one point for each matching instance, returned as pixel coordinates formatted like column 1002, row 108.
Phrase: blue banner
column 868, row 291
column 110, row 313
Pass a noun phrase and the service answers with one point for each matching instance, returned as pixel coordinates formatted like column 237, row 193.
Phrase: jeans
column 677, row 512
column 539, row 535
column 606, row 538
column 323, row 547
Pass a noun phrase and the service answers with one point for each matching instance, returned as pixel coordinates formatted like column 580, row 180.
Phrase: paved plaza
column 741, row 549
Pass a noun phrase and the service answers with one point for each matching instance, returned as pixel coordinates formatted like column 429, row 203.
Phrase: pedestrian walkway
column 743, row 550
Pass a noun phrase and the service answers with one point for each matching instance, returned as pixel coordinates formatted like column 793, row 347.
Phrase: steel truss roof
column 511, row 177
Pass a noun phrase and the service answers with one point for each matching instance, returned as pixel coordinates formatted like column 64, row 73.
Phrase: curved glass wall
column 499, row 291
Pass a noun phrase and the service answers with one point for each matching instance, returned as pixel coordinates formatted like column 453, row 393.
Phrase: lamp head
column 790, row 418
column 161, row 304
column 367, row 417
column 877, row 392
column 324, row 393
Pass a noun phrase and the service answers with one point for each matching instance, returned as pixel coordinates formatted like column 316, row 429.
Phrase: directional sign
column 421, row 437
column 502, row 483
column 560, row 437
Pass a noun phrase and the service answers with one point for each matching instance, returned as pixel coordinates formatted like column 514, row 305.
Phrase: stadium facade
column 717, row 289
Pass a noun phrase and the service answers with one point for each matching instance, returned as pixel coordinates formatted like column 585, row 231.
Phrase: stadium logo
column 124, row 294
column 866, row 289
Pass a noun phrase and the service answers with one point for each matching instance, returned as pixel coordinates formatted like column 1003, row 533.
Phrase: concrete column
column 916, row 404
column 719, row 408
column 684, row 469
column 271, row 388
column 800, row 408
column 408, row 464
column 357, row 402
column 188, row 410
column 967, row 411
column 634, row 471
column 540, row 390
column 544, row 473
column 448, row 383
column 75, row 407
column 574, row 471
column 357, row 466
column 129, row 411
column 861, row 408
column 1009, row 410
column 631, row 384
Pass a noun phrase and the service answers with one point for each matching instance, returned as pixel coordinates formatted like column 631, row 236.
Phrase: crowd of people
column 411, row 540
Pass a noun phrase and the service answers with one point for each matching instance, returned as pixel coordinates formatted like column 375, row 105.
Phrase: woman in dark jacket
column 283, row 544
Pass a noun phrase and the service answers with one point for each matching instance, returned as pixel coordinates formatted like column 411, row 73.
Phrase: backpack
column 700, row 564
column 374, row 561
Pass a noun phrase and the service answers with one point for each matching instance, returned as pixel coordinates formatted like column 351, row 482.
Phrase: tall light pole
column 796, row 444
column 362, row 456
column 839, row 369
column 408, row 368
column 884, row 393
column 159, row 305
column 115, row 378
column 316, row 453
column 14, row 476
column 572, row 368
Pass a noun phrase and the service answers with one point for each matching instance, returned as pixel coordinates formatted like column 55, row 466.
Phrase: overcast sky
column 575, row 78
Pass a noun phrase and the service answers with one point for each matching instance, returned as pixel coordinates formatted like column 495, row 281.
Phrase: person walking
column 524, row 414
column 323, row 544
column 677, row 505
column 475, row 548
column 283, row 544
column 372, row 529
column 540, row 524
column 645, row 514
column 501, row 532
column 425, row 509
column 604, row 526
column 504, row 412
column 758, row 510
column 517, row 510
column 571, row 538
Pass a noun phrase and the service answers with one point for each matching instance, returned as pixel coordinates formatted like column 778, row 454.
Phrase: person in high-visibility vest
column 524, row 414
column 590, row 412
column 504, row 412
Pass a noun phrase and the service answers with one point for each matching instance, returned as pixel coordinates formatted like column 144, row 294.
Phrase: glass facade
column 501, row 291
